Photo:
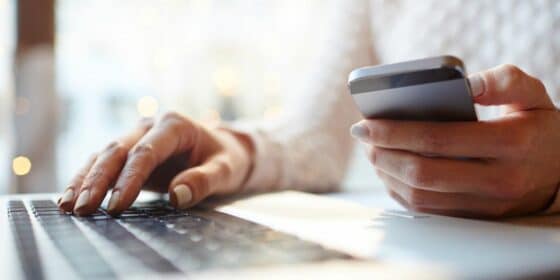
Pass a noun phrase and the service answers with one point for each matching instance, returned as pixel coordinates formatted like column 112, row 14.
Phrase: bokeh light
column 226, row 80
column 21, row 165
column 147, row 106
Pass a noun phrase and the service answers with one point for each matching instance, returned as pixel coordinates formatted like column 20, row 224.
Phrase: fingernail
column 359, row 131
column 82, row 201
column 477, row 85
column 183, row 195
column 113, row 202
column 67, row 196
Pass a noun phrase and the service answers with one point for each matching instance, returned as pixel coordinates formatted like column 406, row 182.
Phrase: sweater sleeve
column 309, row 147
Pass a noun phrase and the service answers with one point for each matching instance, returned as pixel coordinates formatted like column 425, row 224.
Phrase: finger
column 452, row 204
column 103, row 174
column 173, row 134
column 66, row 202
column 458, row 139
column 398, row 198
column 193, row 185
column 100, row 178
column 447, row 175
column 509, row 85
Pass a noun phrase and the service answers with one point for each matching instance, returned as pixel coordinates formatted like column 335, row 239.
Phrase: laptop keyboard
column 161, row 238
column 68, row 239
column 24, row 236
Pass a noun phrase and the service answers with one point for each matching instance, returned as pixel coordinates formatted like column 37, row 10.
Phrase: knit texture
column 309, row 148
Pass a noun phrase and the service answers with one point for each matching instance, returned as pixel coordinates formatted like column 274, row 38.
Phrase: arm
column 307, row 150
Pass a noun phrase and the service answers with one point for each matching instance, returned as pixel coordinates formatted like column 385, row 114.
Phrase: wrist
column 242, row 149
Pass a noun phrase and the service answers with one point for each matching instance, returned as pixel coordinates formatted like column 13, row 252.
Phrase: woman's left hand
column 513, row 164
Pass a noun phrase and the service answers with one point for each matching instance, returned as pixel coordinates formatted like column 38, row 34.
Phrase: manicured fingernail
column 359, row 131
column 82, row 201
column 67, row 196
column 477, row 85
column 113, row 202
column 183, row 195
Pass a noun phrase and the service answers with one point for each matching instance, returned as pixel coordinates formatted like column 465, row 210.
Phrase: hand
column 513, row 164
column 174, row 155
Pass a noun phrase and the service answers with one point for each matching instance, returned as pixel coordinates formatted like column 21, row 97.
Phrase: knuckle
column 511, row 76
column 172, row 117
column 94, row 176
column 128, row 175
column 511, row 71
column 115, row 148
column 143, row 150
column 96, row 173
column 146, row 124
column 93, row 157
column 417, row 199
column 177, row 123
column 224, row 168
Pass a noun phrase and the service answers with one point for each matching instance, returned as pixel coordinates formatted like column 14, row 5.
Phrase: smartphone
column 429, row 89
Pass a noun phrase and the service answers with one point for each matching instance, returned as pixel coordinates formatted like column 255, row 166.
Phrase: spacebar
column 120, row 237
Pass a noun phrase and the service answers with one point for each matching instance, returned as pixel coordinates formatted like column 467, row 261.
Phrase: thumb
column 195, row 184
column 508, row 85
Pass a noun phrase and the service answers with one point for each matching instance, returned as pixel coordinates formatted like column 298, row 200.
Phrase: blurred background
column 76, row 73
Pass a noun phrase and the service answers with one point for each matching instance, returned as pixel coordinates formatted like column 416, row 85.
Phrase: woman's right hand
column 173, row 154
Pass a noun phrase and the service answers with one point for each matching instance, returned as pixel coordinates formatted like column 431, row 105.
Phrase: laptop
column 284, row 235
column 150, row 238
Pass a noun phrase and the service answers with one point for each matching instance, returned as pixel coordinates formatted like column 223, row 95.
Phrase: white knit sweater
column 309, row 148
